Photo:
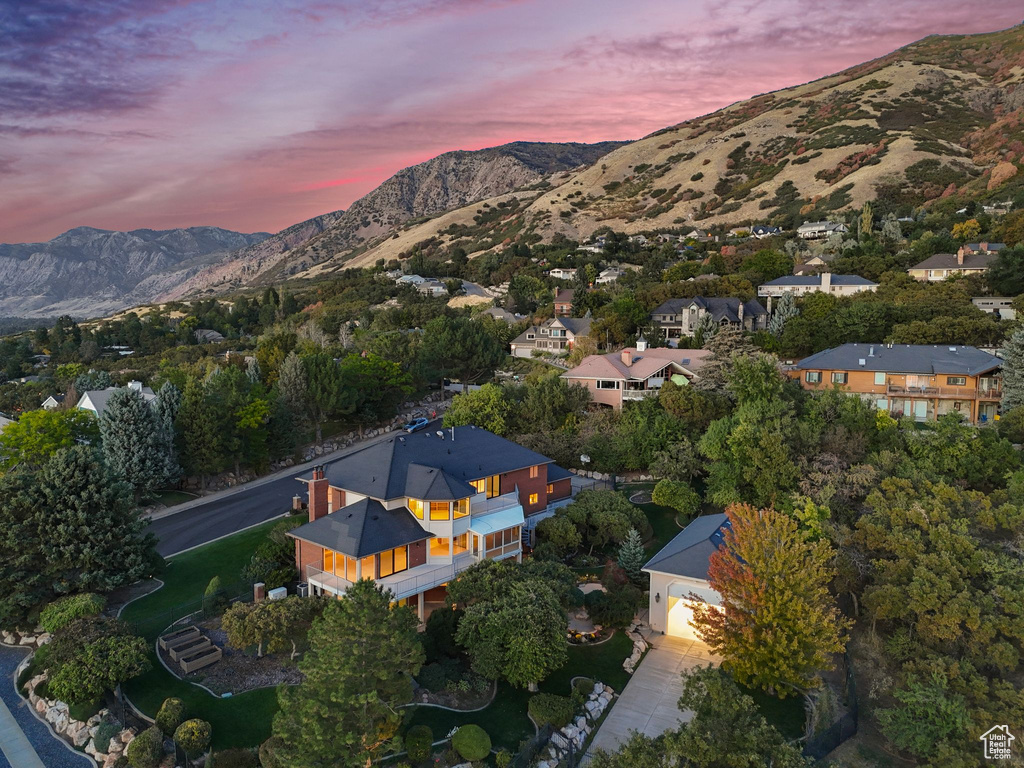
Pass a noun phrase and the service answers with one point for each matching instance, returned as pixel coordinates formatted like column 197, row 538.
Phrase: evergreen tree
column 725, row 346
column 325, row 394
column 356, row 673
column 705, row 330
column 632, row 555
column 1013, row 371
column 197, row 424
column 134, row 442
column 460, row 348
column 252, row 371
column 866, row 222
column 785, row 308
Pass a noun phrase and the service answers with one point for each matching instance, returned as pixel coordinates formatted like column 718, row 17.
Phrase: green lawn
column 239, row 721
column 787, row 715
column 505, row 720
column 170, row 498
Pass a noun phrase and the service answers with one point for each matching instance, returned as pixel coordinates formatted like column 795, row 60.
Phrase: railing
column 494, row 504
column 507, row 549
column 638, row 394
column 434, row 577
column 965, row 393
column 326, row 579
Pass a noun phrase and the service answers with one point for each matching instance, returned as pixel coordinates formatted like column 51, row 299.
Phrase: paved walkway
column 648, row 702
column 25, row 740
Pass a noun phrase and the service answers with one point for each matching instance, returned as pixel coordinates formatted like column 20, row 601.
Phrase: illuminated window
column 329, row 560
column 488, row 485
column 461, row 544
column 480, row 485
column 439, row 547
column 394, row 561
column 534, row 498
column 534, row 472
column 461, row 508
column 416, row 507
column 439, row 510
column 350, row 568
column 551, row 489
column 369, row 567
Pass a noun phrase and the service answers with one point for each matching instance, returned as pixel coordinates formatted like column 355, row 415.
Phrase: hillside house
column 208, row 336
column 999, row 306
column 562, row 273
column 503, row 314
column 970, row 259
column 53, row 402
column 635, row 373
column 680, row 571
column 609, row 275
column 818, row 230
column 681, row 317
column 556, row 336
column 761, row 231
column 563, row 301
column 416, row 510
column 921, row 381
column 825, row 282
column 95, row 400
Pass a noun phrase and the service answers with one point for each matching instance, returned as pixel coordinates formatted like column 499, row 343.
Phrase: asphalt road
column 244, row 507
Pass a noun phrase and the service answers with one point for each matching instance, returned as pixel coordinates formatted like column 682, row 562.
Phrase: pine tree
column 197, row 423
column 134, row 444
column 777, row 626
column 292, row 387
column 785, row 309
column 1013, row 371
column 252, row 370
column 705, row 330
column 725, row 346
column 167, row 405
column 631, row 555
column 357, row 671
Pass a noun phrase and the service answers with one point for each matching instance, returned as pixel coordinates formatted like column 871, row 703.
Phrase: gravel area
column 51, row 750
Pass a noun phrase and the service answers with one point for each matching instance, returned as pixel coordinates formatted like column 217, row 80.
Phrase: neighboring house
column 416, row 510
column 700, row 236
column 922, row 381
column 761, row 231
column 679, row 576
column 208, row 336
column 556, row 336
column 638, row 239
column 1001, row 307
column 609, row 275
column 826, row 282
column 741, row 232
column 681, row 317
column 816, row 230
column 970, row 259
column 592, row 248
column 432, row 287
column 635, row 372
column 561, row 273
column 95, row 400
column 669, row 237
column 413, row 280
column 563, row 301
column 53, row 402
column 813, row 265
column 502, row 314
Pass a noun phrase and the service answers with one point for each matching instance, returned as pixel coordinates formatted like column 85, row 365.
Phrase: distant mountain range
column 87, row 272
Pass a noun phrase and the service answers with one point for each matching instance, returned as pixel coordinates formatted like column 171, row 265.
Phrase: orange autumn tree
column 777, row 627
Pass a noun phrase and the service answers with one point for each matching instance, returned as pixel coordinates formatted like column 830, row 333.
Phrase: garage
column 680, row 608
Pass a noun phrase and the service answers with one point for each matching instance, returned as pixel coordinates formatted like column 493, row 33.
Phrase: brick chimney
column 318, row 487
column 626, row 356
column 826, row 281
column 983, row 247
column 960, row 255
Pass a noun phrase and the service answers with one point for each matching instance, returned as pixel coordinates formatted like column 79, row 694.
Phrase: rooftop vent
column 862, row 361
column 952, row 349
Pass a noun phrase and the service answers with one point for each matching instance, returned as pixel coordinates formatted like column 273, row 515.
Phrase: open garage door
column 680, row 608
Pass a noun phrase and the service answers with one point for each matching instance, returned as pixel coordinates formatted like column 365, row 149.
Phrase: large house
column 95, row 400
column 922, row 381
column 970, row 259
column 414, row 511
column 563, row 273
column 826, row 282
column 635, row 372
column 679, row 576
column 816, row 230
column 556, row 336
column 682, row 317
column 563, row 301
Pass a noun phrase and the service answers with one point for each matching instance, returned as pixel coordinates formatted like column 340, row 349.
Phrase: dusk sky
column 251, row 115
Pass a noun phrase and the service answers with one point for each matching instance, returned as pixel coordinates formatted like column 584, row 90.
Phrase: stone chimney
column 960, row 255
column 983, row 247
column 826, row 281
column 626, row 356
column 739, row 311
column 318, row 488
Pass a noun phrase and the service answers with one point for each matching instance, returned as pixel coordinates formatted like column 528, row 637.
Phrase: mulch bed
column 642, row 497
column 238, row 671
column 456, row 700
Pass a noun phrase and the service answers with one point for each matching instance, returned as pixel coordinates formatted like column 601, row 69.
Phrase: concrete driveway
column 648, row 702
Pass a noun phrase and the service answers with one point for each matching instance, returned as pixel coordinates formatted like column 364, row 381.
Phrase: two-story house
column 825, row 282
column 556, row 336
column 563, row 273
column 635, row 372
column 563, row 301
column 922, row 381
column 816, row 230
column 970, row 259
column 414, row 511
column 681, row 317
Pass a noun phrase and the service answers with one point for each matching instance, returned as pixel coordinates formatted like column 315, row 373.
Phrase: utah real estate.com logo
column 997, row 741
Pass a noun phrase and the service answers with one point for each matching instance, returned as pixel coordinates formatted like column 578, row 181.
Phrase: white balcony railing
column 486, row 506
column 638, row 394
column 404, row 584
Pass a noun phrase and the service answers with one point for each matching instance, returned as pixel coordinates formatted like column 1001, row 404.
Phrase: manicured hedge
column 60, row 613
column 472, row 743
column 549, row 708
column 419, row 743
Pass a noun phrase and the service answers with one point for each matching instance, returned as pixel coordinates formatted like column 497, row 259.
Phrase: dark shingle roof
column 423, row 482
column 948, row 261
column 903, row 358
column 816, row 280
column 381, row 470
column 689, row 552
column 363, row 528
column 555, row 472
column 726, row 307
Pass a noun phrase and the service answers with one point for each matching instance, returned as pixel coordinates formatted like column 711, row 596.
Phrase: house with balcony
column 556, row 336
column 824, row 282
column 635, row 373
column 681, row 317
column 95, row 400
column 818, row 230
column 563, row 301
column 970, row 259
column 921, row 381
column 414, row 511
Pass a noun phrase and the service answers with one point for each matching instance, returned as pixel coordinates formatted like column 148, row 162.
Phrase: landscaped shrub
column 147, row 749
column 60, row 613
column 419, row 743
column 105, row 731
column 214, row 599
column 677, row 495
column 549, row 708
column 439, row 635
column 503, row 759
column 576, row 598
column 234, row 758
column 90, row 666
column 268, row 753
column 616, row 607
column 193, row 736
column 432, row 677
column 170, row 715
column 583, row 686
column 472, row 743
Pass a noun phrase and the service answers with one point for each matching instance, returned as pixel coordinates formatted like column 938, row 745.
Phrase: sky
column 256, row 114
